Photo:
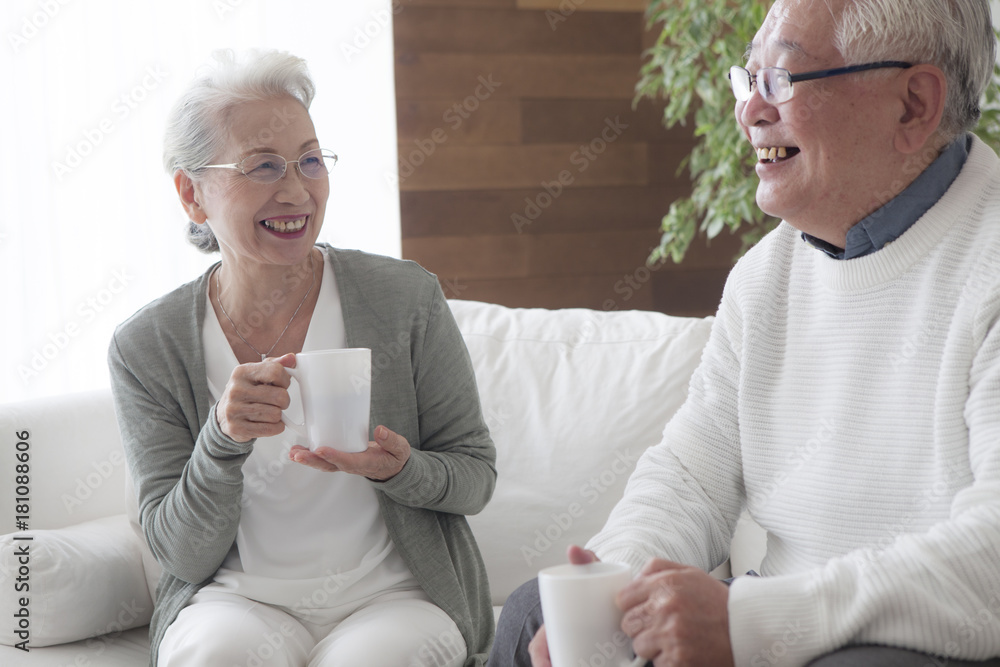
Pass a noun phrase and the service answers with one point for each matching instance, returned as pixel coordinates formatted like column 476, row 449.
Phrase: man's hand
column 385, row 457
column 677, row 615
column 538, row 649
column 251, row 404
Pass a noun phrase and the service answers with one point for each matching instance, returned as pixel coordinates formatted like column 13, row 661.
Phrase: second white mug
column 582, row 622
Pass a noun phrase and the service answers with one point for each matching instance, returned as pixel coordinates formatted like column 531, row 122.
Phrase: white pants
column 223, row 629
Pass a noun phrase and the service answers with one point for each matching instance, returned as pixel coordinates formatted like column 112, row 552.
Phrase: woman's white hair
column 954, row 35
column 196, row 129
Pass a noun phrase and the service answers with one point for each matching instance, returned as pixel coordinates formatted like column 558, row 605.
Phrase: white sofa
column 572, row 398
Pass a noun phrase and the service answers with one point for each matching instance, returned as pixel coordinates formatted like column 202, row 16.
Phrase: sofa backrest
column 572, row 398
column 76, row 467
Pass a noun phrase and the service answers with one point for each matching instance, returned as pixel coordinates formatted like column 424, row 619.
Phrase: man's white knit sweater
column 854, row 408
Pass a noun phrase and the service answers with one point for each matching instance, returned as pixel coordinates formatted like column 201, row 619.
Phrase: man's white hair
column 954, row 35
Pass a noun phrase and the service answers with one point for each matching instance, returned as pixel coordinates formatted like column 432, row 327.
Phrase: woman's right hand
column 254, row 397
column 538, row 649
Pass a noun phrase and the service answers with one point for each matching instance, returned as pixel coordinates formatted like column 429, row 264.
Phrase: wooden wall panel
column 457, row 76
column 531, row 166
column 527, row 177
column 458, row 30
column 568, row 7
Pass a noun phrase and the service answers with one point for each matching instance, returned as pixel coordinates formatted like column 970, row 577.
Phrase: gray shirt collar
column 890, row 222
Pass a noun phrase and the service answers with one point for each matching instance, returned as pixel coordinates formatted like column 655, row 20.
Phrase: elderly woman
column 273, row 554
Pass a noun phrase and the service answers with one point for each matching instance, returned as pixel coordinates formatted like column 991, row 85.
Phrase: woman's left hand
column 385, row 457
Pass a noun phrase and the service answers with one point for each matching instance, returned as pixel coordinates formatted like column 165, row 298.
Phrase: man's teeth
column 286, row 227
column 772, row 153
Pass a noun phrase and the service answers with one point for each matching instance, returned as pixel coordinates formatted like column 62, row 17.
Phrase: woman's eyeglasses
column 268, row 167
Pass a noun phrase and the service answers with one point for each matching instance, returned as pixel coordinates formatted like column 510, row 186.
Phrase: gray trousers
column 522, row 616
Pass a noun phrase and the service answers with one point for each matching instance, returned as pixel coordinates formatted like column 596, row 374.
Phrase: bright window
column 91, row 228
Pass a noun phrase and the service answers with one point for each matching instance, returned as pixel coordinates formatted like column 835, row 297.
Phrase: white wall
column 87, row 85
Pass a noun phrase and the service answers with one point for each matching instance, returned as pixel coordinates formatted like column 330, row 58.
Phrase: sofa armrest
column 72, row 583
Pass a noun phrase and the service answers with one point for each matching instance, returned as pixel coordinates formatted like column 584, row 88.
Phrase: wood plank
column 451, row 30
column 478, row 257
column 682, row 293
column 400, row 6
column 475, row 212
column 569, row 7
column 454, row 77
column 468, row 121
column 694, row 293
column 665, row 162
column 568, row 120
column 500, row 167
column 464, row 258
column 549, row 292
column 620, row 252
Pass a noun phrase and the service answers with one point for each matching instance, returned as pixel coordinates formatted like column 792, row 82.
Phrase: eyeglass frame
column 284, row 168
column 810, row 76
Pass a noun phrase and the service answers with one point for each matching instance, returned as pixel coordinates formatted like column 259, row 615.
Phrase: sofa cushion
column 78, row 582
column 77, row 466
column 572, row 398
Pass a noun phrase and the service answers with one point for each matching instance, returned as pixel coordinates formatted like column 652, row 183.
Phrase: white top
column 854, row 408
column 306, row 539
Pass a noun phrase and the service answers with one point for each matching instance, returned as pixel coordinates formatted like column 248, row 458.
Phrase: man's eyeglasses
column 268, row 167
column 775, row 84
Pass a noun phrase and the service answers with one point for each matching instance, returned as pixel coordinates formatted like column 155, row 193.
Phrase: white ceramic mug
column 582, row 622
column 335, row 386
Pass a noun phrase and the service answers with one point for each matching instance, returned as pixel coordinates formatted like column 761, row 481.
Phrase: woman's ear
column 924, row 97
column 189, row 193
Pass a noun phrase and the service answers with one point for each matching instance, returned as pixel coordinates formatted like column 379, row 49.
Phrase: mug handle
column 297, row 428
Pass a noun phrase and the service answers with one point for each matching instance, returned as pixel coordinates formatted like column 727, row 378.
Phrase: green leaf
column 699, row 40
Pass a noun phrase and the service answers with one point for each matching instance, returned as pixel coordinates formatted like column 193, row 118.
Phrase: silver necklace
column 263, row 355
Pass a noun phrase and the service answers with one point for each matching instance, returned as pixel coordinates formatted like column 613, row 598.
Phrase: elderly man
column 849, row 396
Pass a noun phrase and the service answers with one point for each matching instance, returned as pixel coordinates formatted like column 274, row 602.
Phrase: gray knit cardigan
column 187, row 473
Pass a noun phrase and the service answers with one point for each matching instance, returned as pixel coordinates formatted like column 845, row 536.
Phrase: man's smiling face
column 836, row 134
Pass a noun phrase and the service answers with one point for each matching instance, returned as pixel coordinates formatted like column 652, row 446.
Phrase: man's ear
column 189, row 194
column 924, row 91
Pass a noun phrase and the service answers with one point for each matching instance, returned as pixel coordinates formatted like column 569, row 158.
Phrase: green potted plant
column 688, row 66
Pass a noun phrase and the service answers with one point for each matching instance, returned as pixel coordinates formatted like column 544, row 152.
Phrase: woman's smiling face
column 268, row 223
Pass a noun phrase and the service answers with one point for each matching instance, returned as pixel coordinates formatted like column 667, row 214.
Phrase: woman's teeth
column 284, row 226
column 772, row 154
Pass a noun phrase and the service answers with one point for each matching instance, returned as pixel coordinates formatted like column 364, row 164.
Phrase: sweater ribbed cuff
column 221, row 446
column 774, row 622
column 409, row 485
